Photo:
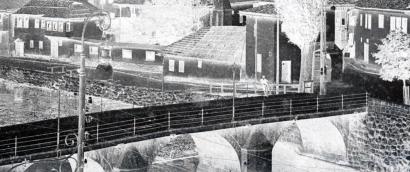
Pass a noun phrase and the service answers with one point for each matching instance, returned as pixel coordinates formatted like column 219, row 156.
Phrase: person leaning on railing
column 265, row 85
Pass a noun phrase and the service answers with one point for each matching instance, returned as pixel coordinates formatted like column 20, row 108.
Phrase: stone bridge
column 377, row 140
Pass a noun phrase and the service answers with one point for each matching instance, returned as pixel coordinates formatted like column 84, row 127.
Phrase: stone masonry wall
column 380, row 140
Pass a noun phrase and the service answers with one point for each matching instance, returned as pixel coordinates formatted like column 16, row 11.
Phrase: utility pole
column 163, row 80
column 255, row 32
column 323, row 71
column 277, row 52
column 233, row 91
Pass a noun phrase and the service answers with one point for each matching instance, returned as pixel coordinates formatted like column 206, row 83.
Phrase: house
column 157, row 22
column 261, row 46
column 371, row 21
column 341, row 8
column 53, row 28
column 7, row 7
column 210, row 53
column 132, row 52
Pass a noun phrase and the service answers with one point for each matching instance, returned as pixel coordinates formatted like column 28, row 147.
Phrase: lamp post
column 322, row 85
column 103, row 26
column 277, row 52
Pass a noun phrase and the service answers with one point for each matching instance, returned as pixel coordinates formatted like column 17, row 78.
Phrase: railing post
column 342, row 102
column 263, row 108
column 202, row 116
column 367, row 104
column 290, row 107
column 222, row 88
column 98, row 130
column 317, row 104
column 284, row 89
column 210, row 88
column 134, row 126
column 15, row 146
column 169, row 120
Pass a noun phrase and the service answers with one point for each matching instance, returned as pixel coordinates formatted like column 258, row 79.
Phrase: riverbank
column 22, row 103
column 138, row 96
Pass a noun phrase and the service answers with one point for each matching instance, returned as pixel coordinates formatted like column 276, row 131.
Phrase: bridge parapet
column 39, row 140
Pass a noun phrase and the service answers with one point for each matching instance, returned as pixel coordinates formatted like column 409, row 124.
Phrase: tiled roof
column 12, row 4
column 220, row 43
column 385, row 4
column 58, row 8
column 131, row 1
column 264, row 9
column 337, row 2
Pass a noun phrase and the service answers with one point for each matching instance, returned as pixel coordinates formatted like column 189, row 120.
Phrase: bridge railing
column 53, row 138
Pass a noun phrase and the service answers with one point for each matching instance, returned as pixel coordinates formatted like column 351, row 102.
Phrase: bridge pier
column 257, row 154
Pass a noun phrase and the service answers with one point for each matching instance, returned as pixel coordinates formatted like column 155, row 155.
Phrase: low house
column 50, row 28
column 132, row 52
column 371, row 21
column 210, row 53
column 7, row 8
column 261, row 46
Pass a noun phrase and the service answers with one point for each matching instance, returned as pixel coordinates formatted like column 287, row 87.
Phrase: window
column 78, row 48
column 200, row 64
column 37, row 23
column 55, row 26
column 351, row 38
column 368, row 21
column 68, row 27
column 171, row 65
column 43, row 24
column 31, row 44
column 126, row 54
column 259, row 63
column 181, row 66
column 398, row 23
column 93, row 50
column 343, row 22
column 381, row 21
column 150, row 56
column 60, row 26
column 26, row 22
column 20, row 22
column 361, row 19
column 352, row 19
column 49, row 26
column 60, row 42
column 40, row 45
column 404, row 25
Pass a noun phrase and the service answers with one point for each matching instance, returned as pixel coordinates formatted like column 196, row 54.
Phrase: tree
column 394, row 57
column 301, row 24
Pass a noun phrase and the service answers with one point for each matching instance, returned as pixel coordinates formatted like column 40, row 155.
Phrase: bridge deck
column 40, row 140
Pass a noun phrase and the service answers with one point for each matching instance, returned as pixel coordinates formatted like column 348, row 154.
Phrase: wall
column 210, row 69
column 266, row 45
column 379, row 140
column 375, row 34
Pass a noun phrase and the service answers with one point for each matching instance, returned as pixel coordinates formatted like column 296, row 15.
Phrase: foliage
column 300, row 19
column 394, row 56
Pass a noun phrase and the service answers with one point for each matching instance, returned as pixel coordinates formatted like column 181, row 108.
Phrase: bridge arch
column 207, row 151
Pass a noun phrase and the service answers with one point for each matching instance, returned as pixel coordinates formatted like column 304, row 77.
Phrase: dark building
column 261, row 46
column 370, row 22
column 222, row 13
column 45, row 27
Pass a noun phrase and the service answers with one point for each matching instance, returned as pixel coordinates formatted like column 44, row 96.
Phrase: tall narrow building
column 222, row 13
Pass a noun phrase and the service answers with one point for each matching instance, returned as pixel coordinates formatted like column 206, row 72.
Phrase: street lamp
column 104, row 23
column 322, row 85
